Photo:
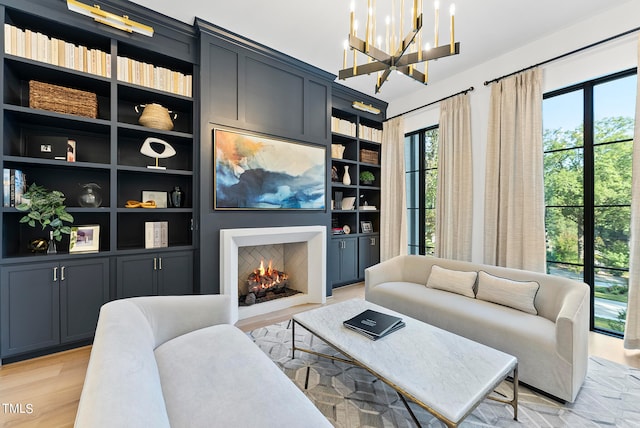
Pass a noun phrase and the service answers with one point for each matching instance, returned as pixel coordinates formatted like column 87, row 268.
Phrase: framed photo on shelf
column 160, row 198
column 366, row 226
column 85, row 239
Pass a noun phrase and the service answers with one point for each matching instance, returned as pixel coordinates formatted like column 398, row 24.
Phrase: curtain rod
column 430, row 104
column 497, row 79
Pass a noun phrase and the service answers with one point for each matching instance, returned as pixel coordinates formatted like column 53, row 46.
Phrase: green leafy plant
column 46, row 207
column 367, row 177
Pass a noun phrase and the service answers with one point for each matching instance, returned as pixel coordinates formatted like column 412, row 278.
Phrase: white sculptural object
column 148, row 150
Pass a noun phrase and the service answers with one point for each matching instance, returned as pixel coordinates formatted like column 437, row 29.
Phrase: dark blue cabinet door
column 30, row 310
column 343, row 261
column 333, row 261
column 175, row 273
column 368, row 253
column 136, row 276
column 84, row 288
column 349, row 260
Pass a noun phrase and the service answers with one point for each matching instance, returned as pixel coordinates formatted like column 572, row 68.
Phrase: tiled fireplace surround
column 299, row 250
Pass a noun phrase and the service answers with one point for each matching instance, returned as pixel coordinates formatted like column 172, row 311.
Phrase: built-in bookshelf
column 355, row 213
column 67, row 63
column 107, row 147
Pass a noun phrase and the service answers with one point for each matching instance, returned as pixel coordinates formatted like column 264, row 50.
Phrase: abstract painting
column 258, row 172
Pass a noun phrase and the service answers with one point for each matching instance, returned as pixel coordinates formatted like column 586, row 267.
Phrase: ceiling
column 314, row 31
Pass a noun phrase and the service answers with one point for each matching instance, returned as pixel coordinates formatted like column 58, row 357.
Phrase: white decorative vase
column 346, row 179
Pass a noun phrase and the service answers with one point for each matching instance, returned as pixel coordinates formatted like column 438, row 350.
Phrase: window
column 588, row 144
column 421, row 165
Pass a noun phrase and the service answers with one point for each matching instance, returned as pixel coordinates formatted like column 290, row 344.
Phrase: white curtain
column 454, row 199
column 632, row 328
column 514, row 187
column 393, row 214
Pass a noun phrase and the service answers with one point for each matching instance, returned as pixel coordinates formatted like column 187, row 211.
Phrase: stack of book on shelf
column 373, row 324
column 370, row 134
column 40, row 47
column 156, row 234
column 151, row 76
column 14, row 185
column 342, row 126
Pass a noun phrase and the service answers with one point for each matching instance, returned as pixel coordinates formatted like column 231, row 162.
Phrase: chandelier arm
column 409, row 39
column 413, row 73
column 431, row 54
column 383, row 79
column 361, row 46
column 371, row 67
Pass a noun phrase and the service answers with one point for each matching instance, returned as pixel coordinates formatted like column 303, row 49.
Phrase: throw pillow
column 454, row 281
column 515, row 294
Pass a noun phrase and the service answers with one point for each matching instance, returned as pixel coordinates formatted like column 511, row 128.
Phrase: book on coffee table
column 374, row 324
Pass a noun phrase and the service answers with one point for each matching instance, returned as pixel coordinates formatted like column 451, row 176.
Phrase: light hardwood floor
column 51, row 385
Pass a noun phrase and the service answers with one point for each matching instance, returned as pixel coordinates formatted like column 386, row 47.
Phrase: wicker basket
column 155, row 116
column 369, row 156
column 56, row 98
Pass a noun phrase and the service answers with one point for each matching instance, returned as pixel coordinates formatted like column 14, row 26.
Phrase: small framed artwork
column 71, row 150
column 366, row 226
column 160, row 198
column 85, row 239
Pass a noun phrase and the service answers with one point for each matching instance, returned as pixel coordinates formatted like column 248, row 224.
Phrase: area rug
column 351, row 397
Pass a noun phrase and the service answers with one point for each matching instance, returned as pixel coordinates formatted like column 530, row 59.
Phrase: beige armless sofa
column 543, row 320
column 177, row 362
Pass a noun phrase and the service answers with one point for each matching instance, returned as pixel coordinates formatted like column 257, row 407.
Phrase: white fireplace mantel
column 315, row 238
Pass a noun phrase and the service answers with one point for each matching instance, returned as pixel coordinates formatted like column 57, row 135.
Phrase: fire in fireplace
column 265, row 284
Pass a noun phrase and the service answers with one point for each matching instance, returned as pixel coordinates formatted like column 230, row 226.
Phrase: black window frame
column 589, row 265
column 419, row 242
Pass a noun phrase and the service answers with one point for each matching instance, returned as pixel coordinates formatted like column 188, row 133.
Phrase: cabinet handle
column 62, row 273
column 155, row 263
column 159, row 263
column 55, row 274
column 372, row 241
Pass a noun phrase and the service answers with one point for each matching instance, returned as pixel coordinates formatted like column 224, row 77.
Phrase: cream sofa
column 177, row 362
column 551, row 346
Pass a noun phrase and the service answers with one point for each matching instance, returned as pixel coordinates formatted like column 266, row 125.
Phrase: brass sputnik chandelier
column 405, row 55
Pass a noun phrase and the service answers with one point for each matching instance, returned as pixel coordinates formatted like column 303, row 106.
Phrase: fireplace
column 300, row 251
column 264, row 281
column 268, row 272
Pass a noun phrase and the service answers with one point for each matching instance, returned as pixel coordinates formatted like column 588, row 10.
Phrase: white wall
column 617, row 55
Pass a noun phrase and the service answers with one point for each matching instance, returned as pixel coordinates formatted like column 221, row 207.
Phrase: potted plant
column 46, row 207
column 367, row 177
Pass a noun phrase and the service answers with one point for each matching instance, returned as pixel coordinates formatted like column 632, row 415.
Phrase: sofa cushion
column 455, row 281
column 217, row 376
column 514, row 294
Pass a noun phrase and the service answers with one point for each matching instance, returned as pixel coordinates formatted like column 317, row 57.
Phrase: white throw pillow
column 454, row 281
column 515, row 294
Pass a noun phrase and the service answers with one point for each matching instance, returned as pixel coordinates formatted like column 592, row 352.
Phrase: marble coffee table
column 446, row 374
